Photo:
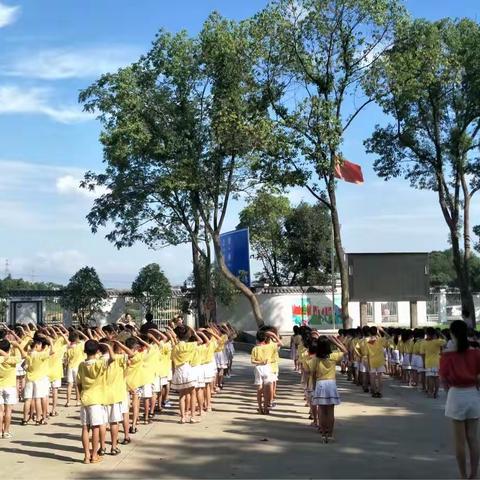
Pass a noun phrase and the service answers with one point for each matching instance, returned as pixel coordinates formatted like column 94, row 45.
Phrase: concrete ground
column 403, row 435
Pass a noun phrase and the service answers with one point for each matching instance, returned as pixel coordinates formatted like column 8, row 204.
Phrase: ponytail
column 459, row 330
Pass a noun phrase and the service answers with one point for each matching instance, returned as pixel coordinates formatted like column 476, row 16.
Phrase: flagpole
column 332, row 261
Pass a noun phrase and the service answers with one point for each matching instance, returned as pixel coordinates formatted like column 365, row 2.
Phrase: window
column 389, row 312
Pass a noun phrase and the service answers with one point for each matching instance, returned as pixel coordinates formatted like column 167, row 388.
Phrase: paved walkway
column 403, row 435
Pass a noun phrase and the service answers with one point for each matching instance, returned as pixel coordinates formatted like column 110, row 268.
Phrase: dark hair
column 261, row 336
column 108, row 329
column 296, row 330
column 459, row 330
column 5, row 345
column 131, row 342
column 312, row 348
column 103, row 348
column 366, row 330
column 91, row 347
column 373, row 331
column 431, row 332
column 183, row 333
column 324, row 348
column 149, row 317
column 73, row 337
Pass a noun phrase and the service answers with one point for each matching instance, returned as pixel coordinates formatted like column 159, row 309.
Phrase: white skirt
column 293, row 352
column 210, row 371
column 183, row 377
column 463, row 403
column 198, row 372
column 396, row 357
column 221, row 359
column 325, row 393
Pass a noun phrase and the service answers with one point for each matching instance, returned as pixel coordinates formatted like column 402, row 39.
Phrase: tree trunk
column 235, row 281
column 198, row 280
column 461, row 269
column 340, row 254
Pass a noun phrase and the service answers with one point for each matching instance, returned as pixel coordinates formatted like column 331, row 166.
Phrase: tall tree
column 151, row 287
column 84, row 295
column 429, row 85
column 292, row 243
column 265, row 216
column 181, row 131
column 314, row 56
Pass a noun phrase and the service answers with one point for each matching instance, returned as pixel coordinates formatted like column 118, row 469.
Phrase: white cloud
column 36, row 101
column 8, row 14
column 58, row 64
column 70, row 185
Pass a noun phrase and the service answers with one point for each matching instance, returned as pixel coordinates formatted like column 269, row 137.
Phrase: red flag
column 350, row 172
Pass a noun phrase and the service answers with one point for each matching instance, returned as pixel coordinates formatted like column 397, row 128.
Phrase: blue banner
column 235, row 247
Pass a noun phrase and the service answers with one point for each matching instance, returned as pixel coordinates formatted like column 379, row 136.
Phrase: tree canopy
column 429, row 86
column 151, row 286
column 84, row 295
column 292, row 243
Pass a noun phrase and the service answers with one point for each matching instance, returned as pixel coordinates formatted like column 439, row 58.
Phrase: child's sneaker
column 167, row 404
column 7, row 435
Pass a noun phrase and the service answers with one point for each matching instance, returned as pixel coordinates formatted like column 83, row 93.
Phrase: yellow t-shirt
column 182, row 353
column 198, row 355
column 55, row 363
column 136, row 374
column 221, row 343
column 275, row 357
column 8, row 378
column 417, row 346
column 310, row 368
column 151, row 361
column 261, row 354
column 75, row 355
column 409, row 346
column 375, row 353
column 91, row 381
column 115, row 383
column 36, row 365
column 432, row 349
column 165, row 360
column 325, row 369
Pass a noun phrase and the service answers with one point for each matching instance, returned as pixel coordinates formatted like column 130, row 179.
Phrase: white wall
column 284, row 310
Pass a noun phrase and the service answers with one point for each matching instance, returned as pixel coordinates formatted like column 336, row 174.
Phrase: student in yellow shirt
column 198, row 365
column 93, row 414
column 364, row 372
column 37, row 384
column 431, row 349
column 261, row 358
column 184, row 380
column 55, row 370
column 375, row 346
column 210, row 368
column 309, row 365
column 74, row 356
column 274, row 342
column 8, row 387
column 326, row 395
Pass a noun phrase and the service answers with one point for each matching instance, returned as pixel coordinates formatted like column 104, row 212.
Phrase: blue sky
column 50, row 49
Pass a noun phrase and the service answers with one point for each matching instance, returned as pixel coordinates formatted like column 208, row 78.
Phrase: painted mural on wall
column 316, row 312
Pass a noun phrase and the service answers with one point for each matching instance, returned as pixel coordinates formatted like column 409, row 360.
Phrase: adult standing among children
column 460, row 373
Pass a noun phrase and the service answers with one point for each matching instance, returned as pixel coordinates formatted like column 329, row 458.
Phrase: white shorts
column 263, row 375
column 377, row 370
column 163, row 381
column 210, row 371
column 56, row 384
column 125, row 405
column 72, row 375
column 145, row 391
column 183, row 377
column 395, row 357
column 431, row 372
column 170, row 375
column 274, row 377
column 114, row 412
column 355, row 364
column 417, row 363
column 156, row 385
column 8, row 396
column 20, row 372
column 463, row 403
column 406, row 362
column 363, row 368
column 93, row 415
column 37, row 389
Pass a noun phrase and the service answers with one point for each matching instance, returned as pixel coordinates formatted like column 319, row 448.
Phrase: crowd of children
column 365, row 355
column 116, row 374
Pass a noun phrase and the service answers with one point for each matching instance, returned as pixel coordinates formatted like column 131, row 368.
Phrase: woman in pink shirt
column 460, row 373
